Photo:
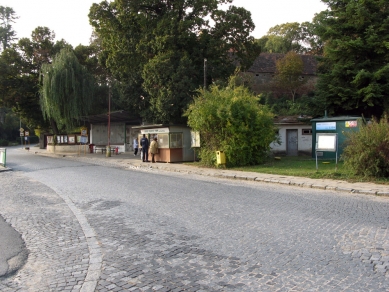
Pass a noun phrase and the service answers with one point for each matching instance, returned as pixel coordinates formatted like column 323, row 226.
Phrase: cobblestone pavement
column 58, row 252
column 217, row 235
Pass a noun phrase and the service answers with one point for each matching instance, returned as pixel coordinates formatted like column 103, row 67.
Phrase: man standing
column 144, row 143
column 136, row 146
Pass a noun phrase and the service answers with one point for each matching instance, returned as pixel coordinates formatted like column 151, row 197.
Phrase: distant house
column 264, row 69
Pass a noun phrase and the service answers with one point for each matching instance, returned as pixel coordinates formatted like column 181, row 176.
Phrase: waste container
column 108, row 151
column 91, row 148
column 220, row 157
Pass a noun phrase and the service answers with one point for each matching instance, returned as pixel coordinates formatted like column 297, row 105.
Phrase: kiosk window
column 175, row 140
column 163, row 141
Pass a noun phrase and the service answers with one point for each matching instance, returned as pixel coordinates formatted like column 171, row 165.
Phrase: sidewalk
column 128, row 159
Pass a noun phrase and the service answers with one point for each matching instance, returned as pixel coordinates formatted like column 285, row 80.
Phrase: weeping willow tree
column 67, row 91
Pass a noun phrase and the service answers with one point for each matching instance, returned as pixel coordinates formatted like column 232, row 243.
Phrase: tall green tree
column 354, row 75
column 156, row 50
column 284, row 38
column 293, row 36
column 19, row 74
column 67, row 90
column 7, row 34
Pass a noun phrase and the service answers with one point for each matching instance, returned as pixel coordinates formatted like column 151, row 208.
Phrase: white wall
column 99, row 134
column 187, row 150
column 304, row 141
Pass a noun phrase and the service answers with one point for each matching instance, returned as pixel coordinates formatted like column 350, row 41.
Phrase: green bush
column 367, row 150
column 231, row 120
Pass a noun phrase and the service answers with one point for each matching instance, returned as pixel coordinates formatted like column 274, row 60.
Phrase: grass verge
column 306, row 167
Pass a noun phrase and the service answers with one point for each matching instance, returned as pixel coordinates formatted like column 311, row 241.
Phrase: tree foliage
column 354, row 75
column 367, row 150
column 19, row 74
column 67, row 89
column 7, row 34
column 231, row 120
column 9, row 127
column 297, row 37
column 289, row 74
column 156, row 50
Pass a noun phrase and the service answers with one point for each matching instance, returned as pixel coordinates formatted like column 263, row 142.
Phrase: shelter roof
column 115, row 117
column 287, row 120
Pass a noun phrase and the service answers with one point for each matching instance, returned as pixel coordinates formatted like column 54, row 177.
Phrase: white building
column 295, row 134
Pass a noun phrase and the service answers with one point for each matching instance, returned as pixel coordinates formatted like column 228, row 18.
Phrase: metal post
column 205, row 74
column 108, row 150
column 20, row 126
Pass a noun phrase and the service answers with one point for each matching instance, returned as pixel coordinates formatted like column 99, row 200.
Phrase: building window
column 307, row 131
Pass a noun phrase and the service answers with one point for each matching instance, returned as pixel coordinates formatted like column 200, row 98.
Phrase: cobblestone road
column 171, row 232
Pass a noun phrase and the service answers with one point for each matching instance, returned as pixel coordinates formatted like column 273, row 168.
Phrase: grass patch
column 306, row 167
column 300, row 166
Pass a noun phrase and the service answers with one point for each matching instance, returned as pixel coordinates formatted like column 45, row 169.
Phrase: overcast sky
column 69, row 18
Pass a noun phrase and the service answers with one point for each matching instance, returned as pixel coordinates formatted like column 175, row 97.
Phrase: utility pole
column 205, row 74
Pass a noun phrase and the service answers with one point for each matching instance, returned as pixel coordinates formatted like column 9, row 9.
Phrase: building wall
column 131, row 134
column 187, row 150
column 99, row 134
column 264, row 82
column 304, row 140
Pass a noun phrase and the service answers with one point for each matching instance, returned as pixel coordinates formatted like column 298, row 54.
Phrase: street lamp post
column 108, row 150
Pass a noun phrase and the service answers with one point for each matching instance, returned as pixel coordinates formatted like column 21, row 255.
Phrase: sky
column 69, row 18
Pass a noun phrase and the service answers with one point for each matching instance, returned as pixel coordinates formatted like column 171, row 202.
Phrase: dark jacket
column 144, row 142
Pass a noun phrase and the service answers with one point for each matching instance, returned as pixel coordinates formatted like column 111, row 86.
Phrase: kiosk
column 174, row 142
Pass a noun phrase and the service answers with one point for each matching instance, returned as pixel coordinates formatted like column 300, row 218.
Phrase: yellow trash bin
column 220, row 157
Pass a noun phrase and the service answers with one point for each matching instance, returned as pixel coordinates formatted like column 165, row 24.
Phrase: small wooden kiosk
column 174, row 141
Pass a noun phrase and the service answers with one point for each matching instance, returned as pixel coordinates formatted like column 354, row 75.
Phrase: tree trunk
column 54, row 126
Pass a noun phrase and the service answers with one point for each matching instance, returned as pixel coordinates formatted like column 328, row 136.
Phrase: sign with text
column 155, row 131
column 326, row 126
column 351, row 124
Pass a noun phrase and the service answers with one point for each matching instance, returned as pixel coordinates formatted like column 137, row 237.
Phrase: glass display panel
column 176, row 140
column 163, row 140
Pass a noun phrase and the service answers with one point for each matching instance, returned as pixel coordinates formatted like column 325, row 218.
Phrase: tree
column 231, row 120
column 354, row 75
column 289, row 74
column 284, row 38
column 67, row 90
column 156, row 50
column 19, row 74
column 293, row 36
column 7, row 34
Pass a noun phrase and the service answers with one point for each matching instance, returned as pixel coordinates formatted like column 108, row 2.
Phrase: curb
column 282, row 181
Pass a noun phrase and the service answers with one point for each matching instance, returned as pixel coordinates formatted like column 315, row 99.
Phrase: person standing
column 136, row 146
column 144, row 143
column 153, row 149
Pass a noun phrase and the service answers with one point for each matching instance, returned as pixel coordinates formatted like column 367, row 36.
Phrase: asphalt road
column 94, row 227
